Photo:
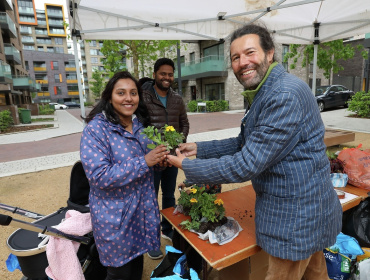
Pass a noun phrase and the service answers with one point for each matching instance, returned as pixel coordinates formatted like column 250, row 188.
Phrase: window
column 41, row 31
column 214, row 53
column 58, row 41
column 44, row 88
column 57, row 78
column 215, row 92
column 50, row 49
column 26, row 65
column 285, row 51
column 182, row 61
column 93, row 51
column 25, row 29
column 39, row 64
column 57, row 90
column 192, row 58
column 40, row 48
column 41, row 77
column 59, row 49
column 71, row 76
column 72, row 87
column 28, row 47
column 43, row 41
column 92, row 43
column 70, row 64
column 54, row 65
column 94, row 60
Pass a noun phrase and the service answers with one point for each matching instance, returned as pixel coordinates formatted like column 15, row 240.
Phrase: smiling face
column 125, row 99
column 164, row 77
column 248, row 60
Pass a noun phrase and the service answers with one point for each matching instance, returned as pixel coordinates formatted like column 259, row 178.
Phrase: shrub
column 89, row 104
column 45, row 109
column 360, row 104
column 211, row 106
column 6, row 120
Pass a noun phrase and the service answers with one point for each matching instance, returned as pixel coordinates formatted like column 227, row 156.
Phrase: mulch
column 15, row 129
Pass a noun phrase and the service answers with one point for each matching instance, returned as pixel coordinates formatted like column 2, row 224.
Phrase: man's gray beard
column 261, row 72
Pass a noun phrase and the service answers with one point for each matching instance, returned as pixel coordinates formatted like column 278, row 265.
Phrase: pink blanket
column 62, row 253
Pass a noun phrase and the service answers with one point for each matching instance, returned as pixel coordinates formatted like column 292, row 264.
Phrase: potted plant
column 205, row 210
column 167, row 136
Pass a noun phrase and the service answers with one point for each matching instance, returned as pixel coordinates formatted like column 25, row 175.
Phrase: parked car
column 72, row 104
column 332, row 96
column 59, row 106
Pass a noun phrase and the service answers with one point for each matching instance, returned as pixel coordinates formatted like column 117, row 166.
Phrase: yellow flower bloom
column 344, row 148
column 170, row 128
column 193, row 200
column 218, row 201
column 193, row 190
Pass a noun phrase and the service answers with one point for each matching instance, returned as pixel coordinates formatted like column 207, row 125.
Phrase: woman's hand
column 188, row 149
column 156, row 155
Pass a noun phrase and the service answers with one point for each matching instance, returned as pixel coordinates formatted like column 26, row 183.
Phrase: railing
column 26, row 11
column 5, row 72
column 23, row 82
column 5, row 19
column 12, row 51
column 203, row 65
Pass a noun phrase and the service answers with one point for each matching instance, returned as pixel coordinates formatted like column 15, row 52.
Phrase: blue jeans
column 167, row 179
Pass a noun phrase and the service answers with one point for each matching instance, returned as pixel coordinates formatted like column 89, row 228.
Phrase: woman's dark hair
column 105, row 105
column 266, row 41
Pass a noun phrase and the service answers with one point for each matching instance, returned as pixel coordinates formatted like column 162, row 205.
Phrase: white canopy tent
column 291, row 21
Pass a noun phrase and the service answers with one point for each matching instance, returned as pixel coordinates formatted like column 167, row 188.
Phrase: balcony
column 12, row 54
column 8, row 25
column 26, row 11
column 25, row 83
column 25, row 30
column 209, row 66
column 28, row 40
column 6, row 5
column 5, row 74
column 39, row 68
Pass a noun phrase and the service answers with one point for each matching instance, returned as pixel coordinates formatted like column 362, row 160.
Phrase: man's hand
column 188, row 149
column 176, row 160
column 156, row 155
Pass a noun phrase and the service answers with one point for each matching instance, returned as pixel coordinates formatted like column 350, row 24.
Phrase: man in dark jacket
column 165, row 106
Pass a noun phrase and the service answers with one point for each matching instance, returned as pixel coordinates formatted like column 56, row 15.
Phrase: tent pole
column 79, row 77
column 179, row 82
column 315, row 47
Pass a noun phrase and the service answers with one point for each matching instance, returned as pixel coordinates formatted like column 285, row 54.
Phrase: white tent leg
column 315, row 48
column 79, row 78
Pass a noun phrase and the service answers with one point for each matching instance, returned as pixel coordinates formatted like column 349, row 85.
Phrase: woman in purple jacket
column 123, row 205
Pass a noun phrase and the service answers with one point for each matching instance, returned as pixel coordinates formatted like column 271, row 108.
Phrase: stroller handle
column 5, row 220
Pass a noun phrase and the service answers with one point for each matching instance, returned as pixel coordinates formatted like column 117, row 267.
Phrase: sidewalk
column 225, row 125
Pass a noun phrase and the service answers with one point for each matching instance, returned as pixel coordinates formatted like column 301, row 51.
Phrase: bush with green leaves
column 360, row 104
column 211, row 106
column 6, row 120
column 44, row 109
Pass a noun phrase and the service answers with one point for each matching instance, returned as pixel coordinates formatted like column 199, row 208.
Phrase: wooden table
column 239, row 204
column 334, row 137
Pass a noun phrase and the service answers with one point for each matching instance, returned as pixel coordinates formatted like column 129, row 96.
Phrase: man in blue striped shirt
column 281, row 149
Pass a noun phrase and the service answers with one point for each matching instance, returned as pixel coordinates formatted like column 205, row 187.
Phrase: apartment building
column 206, row 72
column 44, row 41
column 15, row 84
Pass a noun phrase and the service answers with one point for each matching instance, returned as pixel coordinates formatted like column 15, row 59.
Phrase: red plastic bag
column 357, row 166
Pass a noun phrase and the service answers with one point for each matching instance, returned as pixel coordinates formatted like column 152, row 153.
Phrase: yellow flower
column 344, row 148
column 193, row 190
column 170, row 128
column 193, row 200
column 218, row 201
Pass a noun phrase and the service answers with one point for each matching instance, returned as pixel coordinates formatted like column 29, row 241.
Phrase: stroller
column 24, row 242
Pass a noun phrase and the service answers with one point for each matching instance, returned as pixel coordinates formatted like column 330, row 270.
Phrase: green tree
column 97, row 85
column 328, row 55
column 143, row 53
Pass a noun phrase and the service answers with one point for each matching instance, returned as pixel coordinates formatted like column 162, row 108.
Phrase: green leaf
column 151, row 146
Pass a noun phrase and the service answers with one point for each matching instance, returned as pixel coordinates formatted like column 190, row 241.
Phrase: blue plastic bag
column 12, row 263
column 338, row 265
column 347, row 245
column 339, row 180
column 173, row 267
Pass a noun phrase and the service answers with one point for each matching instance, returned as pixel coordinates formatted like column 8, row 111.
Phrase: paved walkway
column 59, row 145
